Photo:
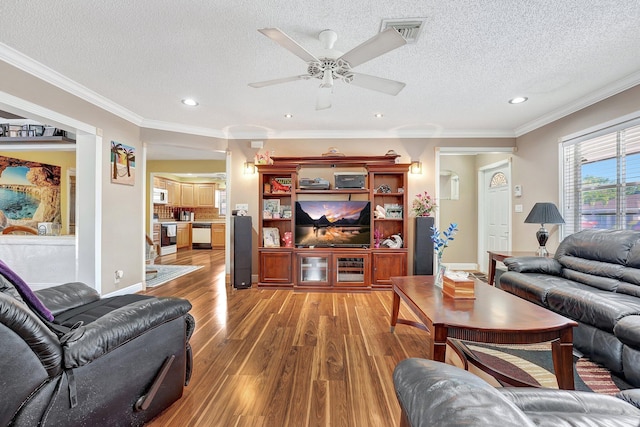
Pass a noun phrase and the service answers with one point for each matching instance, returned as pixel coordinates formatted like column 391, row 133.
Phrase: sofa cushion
column 597, row 274
column 627, row 330
column 533, row 287
column 608, row 246
column 595, row 307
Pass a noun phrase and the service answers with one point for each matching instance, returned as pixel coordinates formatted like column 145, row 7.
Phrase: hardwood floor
column 284, row 358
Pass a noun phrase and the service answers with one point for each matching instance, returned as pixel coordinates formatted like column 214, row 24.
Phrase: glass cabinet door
column 313, row 269
column 351, row 270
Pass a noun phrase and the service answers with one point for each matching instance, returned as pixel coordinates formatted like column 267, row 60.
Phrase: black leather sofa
column 432, row 394
column 70, row 358
column 594, row 279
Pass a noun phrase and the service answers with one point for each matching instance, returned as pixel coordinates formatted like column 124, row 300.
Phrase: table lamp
column 544, row 213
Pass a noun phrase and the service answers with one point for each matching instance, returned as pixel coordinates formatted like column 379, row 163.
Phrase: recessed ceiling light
column 190, row 102
column 378, row 115
column 288, row 116
column 518, row 100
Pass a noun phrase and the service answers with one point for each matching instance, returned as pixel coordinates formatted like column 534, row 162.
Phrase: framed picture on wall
column 123, row 164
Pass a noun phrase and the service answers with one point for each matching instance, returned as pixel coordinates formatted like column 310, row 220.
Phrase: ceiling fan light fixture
column 518, row 100
column 288, row 116
column 190, row 102
column 378, row 115
column 327, row 79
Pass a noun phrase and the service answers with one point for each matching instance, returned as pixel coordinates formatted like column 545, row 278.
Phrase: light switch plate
column 242, row 206
column 518, row 208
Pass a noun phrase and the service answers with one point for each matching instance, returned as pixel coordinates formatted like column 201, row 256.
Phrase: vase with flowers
column 423, row 205
column 441, row 241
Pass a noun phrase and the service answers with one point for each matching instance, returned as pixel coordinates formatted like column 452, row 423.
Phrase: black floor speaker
column 423, row 246
column 241, row 231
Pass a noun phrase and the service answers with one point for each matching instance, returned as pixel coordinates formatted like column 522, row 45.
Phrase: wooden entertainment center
column 368, row 264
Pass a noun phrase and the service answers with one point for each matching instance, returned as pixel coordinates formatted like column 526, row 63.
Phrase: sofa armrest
column 534, row 264
column 89, row 342
column 435, row 394
column 61, row 298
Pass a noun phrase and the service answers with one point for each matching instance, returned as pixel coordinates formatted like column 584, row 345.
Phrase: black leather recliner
column 432, row 394
column 116, row 361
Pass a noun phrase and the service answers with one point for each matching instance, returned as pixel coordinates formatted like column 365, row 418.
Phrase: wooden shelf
column 345, row 191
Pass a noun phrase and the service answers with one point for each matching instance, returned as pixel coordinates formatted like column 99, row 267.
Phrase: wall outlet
column 118, row 275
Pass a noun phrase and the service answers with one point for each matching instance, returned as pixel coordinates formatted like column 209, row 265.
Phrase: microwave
column 160, row 196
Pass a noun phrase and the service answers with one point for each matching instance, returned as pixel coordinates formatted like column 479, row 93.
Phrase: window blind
column 601, row 180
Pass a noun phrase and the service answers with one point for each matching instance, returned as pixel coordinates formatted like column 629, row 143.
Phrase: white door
column 495, row 206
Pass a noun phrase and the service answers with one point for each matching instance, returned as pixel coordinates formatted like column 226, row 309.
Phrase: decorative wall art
column 123, row 163
column 29, row 193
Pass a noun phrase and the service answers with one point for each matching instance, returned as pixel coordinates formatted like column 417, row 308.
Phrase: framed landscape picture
column 123, row 164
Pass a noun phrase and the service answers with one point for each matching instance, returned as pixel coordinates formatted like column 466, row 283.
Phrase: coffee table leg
column 394, row 310
column 439, row 344
column 562, row 352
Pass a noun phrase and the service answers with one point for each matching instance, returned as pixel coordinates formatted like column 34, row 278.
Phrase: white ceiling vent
column 409, row 28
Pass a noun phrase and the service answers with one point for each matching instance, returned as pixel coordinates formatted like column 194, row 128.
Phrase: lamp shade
column 544, row 213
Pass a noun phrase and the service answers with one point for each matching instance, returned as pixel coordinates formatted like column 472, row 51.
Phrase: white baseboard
column 125, row 291
column 462, row 266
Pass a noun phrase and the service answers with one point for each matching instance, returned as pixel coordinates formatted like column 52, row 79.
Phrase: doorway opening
column 466, row 199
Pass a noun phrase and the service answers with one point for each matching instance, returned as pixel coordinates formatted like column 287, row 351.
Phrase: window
column 601, row 179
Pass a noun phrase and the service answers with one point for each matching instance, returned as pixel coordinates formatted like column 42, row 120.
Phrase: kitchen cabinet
column 205, row 195
column 156, row 234
column 173, row 192
column 183, row 236
column 187, row 195
column 159, row 182
column 217, row 236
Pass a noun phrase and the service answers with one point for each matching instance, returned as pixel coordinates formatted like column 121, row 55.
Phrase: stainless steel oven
column 168, row 238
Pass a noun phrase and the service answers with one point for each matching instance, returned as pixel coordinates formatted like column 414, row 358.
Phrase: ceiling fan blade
column 377, row 45
column 278, row 81
column 324, row 98
column 390, row 87
column 278, row 36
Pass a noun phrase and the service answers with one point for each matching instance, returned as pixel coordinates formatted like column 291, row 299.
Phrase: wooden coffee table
column 494, row 317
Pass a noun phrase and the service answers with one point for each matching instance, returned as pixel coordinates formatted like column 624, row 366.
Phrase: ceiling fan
column 333, row 65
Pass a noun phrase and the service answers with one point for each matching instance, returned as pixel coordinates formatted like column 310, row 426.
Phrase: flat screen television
column 333, row 223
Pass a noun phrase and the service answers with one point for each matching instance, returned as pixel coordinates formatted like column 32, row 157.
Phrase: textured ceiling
column 471, row 58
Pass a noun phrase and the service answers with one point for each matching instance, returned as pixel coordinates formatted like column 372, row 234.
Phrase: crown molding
column 180, row 128
column 369, row 134
column 48, row 75
column 606, row 92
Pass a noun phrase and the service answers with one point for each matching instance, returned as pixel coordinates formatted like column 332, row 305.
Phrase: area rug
column 533, row 363
column 167, row 273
